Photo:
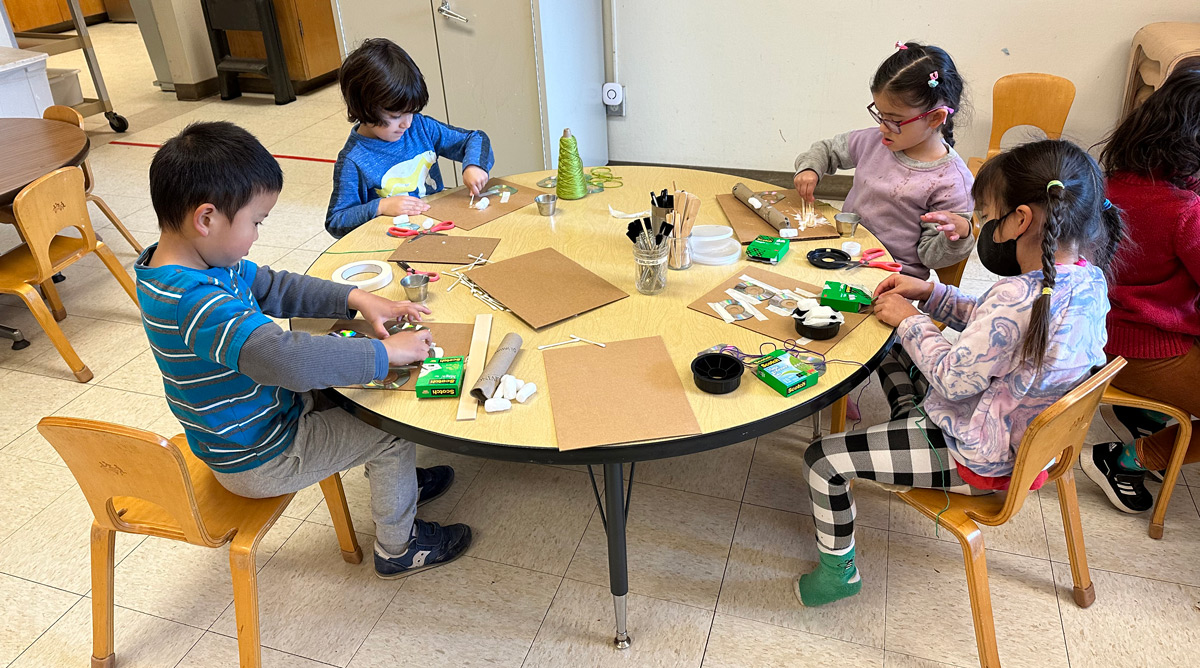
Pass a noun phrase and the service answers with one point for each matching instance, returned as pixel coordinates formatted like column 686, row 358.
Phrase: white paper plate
column 718, row 253
column 709, row 233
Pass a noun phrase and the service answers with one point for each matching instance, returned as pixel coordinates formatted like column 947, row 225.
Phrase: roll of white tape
column 852, row 248
column 383, row 277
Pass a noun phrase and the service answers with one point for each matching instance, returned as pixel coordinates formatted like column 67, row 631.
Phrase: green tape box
column 844, row 297
column 785, row 374
column 440, row 377
column 767, row 249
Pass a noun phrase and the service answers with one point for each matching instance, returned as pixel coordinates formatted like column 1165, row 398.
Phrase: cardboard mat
column 443, row 249
column 452, row 337
column 455, row 207
column 626, row 392
column 747, row 225
column 776, row 326
column 545, row 286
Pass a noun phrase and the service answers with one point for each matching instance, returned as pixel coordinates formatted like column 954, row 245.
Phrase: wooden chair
column 1114, row 397
column 1040, row 100
column 44, row 208
column 138, row 482
column 1057, row 436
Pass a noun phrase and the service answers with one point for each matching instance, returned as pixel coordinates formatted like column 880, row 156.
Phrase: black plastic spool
column 817, row 333
column 828, row 258
column 717, row 373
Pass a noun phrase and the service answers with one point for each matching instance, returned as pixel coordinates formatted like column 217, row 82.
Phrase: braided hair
column 907, row 74
column 1067, row 184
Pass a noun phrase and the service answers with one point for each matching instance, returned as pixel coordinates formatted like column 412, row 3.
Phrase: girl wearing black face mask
column 959, row 410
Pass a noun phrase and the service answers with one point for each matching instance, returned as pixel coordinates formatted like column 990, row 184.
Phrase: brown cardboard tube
column 497, row 366
column 774, row 217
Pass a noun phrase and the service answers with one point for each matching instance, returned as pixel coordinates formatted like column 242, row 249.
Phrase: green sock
column 1155, row 416
column 836, row 577
column 1129, row 458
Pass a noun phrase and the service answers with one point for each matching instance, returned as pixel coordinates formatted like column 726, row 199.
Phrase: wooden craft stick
column 467, row 404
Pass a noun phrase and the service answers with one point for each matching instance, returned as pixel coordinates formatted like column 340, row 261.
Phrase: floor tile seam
column 649, row 596
column 808, row 632
column 542, row 624
column 3, row 448
column 32, row 518
column 1109, row 571
column 275, row 649
column 46, row 630
column 725, row 571
column 185, row 654
column 382, row 611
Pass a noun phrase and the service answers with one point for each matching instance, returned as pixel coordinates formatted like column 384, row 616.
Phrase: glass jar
column 650, row 267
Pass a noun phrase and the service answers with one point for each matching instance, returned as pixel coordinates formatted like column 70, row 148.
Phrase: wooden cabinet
column 309, row 37
column 29, row 15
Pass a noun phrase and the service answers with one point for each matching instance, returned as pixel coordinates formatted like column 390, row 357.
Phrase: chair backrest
column 1029, row 98
column 47, row 206
column 1056, row 435
column 64, row 114
column 110, row 461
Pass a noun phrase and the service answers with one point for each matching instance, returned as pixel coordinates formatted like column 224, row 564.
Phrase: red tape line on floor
column 282, row 157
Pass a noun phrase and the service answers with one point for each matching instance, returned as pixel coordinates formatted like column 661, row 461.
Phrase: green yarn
column 572, row 184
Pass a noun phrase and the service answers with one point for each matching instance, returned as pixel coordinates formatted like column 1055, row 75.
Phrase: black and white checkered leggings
column 905, row 451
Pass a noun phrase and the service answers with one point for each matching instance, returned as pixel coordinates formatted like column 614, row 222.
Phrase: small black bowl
column 717, row 373
column 818, row 333
column 828, row 258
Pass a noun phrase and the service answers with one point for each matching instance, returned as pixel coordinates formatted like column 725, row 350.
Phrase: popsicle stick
column 476, row 358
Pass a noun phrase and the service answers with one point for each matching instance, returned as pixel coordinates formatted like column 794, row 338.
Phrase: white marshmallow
column 482, row 203
column 402, row 218
column 508, row 387
column 496, row 405
column 504, row 197
column 754, row 202
column 527, row 391
column 428, row 225
column 520, row 384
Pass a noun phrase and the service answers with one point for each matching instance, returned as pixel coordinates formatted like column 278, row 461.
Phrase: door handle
column 445, row 11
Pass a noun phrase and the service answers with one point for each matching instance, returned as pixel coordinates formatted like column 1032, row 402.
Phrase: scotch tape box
column 440, row 377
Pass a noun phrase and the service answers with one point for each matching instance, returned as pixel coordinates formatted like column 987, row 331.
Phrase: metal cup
column 416, row 287
column 847, row 223
column 546, row 204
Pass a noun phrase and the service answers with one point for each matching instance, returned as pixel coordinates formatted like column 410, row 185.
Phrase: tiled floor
column 714, row 539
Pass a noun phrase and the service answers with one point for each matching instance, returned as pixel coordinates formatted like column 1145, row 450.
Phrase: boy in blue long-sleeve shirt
column 390, row 160
column 243, row 388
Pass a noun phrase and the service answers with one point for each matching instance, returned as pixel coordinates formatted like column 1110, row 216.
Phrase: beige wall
column 752, row 84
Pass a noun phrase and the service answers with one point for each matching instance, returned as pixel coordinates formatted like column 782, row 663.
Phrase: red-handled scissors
column 867, row 259
column 433, row 275
column 406, row 232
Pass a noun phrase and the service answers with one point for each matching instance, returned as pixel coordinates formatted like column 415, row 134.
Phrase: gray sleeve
column 283, row 294
column 300, row 362
column 935, row 250
column 827, row 156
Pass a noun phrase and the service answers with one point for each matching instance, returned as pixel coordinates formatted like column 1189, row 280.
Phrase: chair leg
column 245, row 603
column 975, row 559
column 108, row 213
column 50, row 294
column 104, row 543
column 837, row 415
column 42, row 314
column 1182, row 439
column 114, row 266
column 1068, row 502
column 335, row 499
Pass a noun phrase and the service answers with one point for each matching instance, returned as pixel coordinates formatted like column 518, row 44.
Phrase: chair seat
column 17, row 265
column 931, row 502
column 223, row 512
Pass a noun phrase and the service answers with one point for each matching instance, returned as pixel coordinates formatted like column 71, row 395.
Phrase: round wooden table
column 584, row 231
column 32, row 148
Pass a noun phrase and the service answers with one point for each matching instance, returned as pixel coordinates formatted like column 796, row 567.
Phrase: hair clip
column 1047, row 291
column 1053, row 183
column 1107, row 204
column 902, row 46
column 933, row 79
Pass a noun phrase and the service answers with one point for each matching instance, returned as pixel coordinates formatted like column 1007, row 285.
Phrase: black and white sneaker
column 433, row 482
column 1130, row 424
column 430, row 545
column 1126, row 489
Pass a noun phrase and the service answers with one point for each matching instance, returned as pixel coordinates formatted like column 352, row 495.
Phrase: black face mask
column 998, row 257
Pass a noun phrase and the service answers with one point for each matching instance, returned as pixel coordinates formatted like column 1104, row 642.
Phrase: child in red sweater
column 1152, row 161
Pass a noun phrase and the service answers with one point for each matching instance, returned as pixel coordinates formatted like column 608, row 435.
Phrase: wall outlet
column 613, row 96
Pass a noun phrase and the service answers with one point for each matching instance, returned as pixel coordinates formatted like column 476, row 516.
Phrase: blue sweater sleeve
column 470, row 147
column 350, row 205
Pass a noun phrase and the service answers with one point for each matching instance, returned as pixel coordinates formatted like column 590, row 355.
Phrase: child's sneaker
column 1124, row 487
column 431, row 545
column 1131, row 424
column 433, row 482
column 835, row 578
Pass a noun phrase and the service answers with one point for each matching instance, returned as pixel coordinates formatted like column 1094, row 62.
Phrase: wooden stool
column 1158, row 50
column 1057, row 436
column 140, row 483
column 256, row 16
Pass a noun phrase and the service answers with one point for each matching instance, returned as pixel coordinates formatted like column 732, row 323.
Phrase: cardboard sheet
column 545, row 286
column 454, row 206
column 452, row 337
column 747, row 225
column 626, row 392
column 436, row 249
column 776, row 326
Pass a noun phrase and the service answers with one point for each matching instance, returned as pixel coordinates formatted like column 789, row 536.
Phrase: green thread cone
column 571, row 182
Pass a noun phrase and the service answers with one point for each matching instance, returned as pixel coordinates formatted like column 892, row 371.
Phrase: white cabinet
column 519, row 71
column 24, row 89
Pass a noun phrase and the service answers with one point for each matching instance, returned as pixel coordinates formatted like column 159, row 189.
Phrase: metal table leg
column 618, row 564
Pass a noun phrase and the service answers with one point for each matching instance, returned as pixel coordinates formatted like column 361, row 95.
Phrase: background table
column 32, row 148
column 584, row 231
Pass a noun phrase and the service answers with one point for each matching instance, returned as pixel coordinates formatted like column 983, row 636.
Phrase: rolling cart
column 52, row 43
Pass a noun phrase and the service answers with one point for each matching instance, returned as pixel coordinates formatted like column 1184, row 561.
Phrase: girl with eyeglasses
column 908, row 181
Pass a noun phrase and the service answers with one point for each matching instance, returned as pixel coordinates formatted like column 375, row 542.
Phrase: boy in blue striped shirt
column 390, row 160
column 243, row 388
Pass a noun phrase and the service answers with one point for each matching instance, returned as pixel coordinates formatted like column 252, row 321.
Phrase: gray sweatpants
column 330, row 440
